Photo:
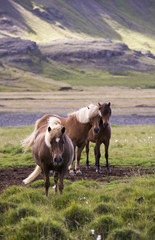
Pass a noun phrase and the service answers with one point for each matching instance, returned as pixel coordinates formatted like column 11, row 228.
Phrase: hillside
column 76, row 39
column 131, row 22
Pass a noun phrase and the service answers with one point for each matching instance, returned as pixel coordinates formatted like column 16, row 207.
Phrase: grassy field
column 53, row 76
column 117, row 210
column 130, row 146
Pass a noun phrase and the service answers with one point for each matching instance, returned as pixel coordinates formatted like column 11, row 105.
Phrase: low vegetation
column 116, row 210
column 111, row 211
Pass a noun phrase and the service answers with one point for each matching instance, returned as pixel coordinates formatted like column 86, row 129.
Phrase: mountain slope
column 48, row 20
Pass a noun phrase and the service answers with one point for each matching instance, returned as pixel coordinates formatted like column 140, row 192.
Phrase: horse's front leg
column 97, row 157
column 56, row 181
column 87, row 154
column 47, row 181
column 77, row 164
column 107, row 156
column 61, row 179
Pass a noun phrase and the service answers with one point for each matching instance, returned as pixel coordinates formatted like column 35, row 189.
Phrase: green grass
column 111, row 210
column 76, row 76
column 115, row 210
column 130, row 146
column 52, row 76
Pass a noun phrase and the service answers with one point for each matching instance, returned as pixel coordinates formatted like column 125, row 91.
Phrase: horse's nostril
column 96, row 130
column 57, row 160
column 105, row 125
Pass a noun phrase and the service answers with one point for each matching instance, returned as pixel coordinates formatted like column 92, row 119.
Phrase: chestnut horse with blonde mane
column 77, row 126
column 52, row 150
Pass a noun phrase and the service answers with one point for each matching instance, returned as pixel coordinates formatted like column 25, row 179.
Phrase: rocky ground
column 22, row 119
column 98, row 53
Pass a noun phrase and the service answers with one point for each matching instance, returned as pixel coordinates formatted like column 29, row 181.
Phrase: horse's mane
column 55, row 125
column 84, row 114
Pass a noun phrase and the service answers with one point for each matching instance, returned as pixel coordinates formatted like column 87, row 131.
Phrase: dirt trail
column 14, row 176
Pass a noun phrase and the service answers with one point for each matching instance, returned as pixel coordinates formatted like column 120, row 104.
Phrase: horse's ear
column 99, row 105
column 109, row 104
column 49, row 129
column 63, row 130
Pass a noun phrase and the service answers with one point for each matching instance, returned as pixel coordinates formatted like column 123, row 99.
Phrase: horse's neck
column 73, row 126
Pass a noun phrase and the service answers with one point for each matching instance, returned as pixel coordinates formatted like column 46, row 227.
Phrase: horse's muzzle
column 57, row 161
column 96, row 130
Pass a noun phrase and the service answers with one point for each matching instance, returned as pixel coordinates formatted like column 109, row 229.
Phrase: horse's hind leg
column 77, row 164
column 87, row 154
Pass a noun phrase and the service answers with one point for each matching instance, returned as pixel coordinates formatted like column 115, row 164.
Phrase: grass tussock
column 26, row 213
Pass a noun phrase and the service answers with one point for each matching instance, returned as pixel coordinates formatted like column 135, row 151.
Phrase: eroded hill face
column 131, row 22
column 75, row 42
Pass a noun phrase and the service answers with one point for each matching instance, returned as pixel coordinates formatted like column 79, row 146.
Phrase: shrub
column 76, row 216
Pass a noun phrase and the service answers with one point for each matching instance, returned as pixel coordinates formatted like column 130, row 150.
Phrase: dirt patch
column 14, row 176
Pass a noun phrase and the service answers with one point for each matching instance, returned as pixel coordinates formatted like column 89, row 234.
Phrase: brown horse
column 103, row 136
column 52, row 150
column 77, row 126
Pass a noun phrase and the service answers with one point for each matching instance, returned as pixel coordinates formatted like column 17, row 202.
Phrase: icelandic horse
column 52, row 150
column 77, row 126
column 103, row 136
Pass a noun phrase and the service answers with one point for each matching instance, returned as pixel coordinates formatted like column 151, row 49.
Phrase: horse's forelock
column 93, row 111
column 54, row 129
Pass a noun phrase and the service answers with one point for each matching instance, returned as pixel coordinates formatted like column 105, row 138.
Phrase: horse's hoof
column 71, row 173
column 99, row 170
column 78, row 172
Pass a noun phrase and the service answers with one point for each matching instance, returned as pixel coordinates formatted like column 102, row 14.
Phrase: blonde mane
column 85, row 114
column 55, row 125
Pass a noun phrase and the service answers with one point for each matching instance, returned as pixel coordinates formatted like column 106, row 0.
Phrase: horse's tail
column 28, row 142
column 33, row 175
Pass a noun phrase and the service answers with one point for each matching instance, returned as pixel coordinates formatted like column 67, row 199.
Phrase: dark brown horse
column 77, row 127
column 52, row 150
column 103, row 136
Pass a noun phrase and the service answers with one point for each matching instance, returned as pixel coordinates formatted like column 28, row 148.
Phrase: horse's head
column 57, row 145
column 105, row 113
column 96, row 123
column 54, row 139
